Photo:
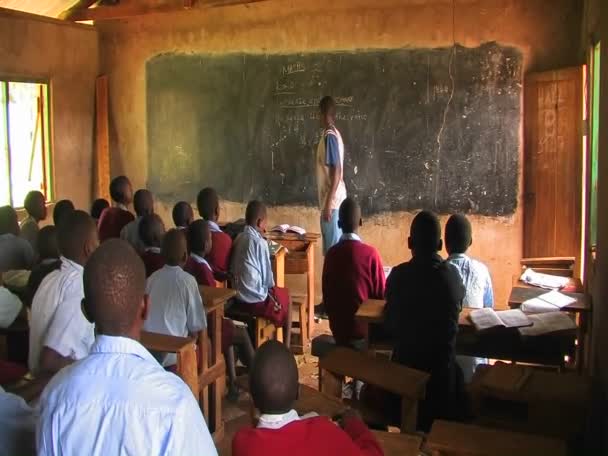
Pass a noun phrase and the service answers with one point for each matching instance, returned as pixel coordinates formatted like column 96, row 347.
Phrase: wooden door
column 553, row 160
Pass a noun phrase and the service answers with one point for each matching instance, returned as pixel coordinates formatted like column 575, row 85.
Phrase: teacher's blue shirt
column 119, row 400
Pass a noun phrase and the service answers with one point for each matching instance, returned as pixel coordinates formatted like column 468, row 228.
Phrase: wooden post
column 102, row 139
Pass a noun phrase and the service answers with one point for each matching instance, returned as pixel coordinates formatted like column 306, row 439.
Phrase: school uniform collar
column 455, row 256
column 252, row 231
column 71, row 264
column 350, row 237
column 152, row 249
column 48, row 261
column 121, row 206
column 199, row 259
column 120, row 345
column 214, row 227
column 272, row 421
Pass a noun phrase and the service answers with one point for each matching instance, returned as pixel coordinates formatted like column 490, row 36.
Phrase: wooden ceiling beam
column 79, row 6
column 104, row 13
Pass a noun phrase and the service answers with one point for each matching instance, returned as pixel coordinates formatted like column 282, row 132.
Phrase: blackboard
column 424, row 128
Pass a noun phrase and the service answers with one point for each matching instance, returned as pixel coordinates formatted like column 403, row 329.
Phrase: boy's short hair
column 98, row 206
column 174, row 247
column 458, row 234
column 143, row 202
column 207, row 202
column 425, row 232
column 326, row 104
column 119, row 187
column 47, row 243
column 62, row 209
column 182, row 214
column 151, row 230
column 34, row 202
column 198, row 233
column 74, row 232
column 9, row 222
column 255, row 210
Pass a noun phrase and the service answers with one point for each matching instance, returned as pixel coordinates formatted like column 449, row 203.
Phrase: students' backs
column 119, row 400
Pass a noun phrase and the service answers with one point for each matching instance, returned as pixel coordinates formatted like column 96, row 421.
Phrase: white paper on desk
column 547, row 281
column 548, row 302
column 485, row 318
column 548, row 323
column 558, row 299
column 513, row 318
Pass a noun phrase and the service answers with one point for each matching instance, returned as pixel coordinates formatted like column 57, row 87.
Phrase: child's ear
column 471, row 242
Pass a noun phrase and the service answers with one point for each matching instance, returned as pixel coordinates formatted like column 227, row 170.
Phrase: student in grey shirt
column 15, row 252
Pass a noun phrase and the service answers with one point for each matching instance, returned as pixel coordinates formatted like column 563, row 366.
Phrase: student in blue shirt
column 252, row 271
column 119, row 400
column 475, row 278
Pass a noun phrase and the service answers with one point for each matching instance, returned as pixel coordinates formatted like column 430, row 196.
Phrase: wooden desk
column 301, row 260
column 456, row 439
column 394, row 444
column 212, row 377
column 574, row 284
column 183, row 347
column 277, row 259
column 520, row 294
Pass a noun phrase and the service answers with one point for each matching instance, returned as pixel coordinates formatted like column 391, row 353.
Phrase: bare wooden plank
column 165, row 343
column 102, row 139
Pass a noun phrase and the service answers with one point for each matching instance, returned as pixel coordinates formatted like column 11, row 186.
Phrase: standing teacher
column 330, row 182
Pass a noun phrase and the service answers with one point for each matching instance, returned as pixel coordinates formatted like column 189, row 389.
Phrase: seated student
column 35, row 206
column 61, row 210
column 274, row 388
column 352, row 273
column 423, row 301
column 143, row 202
column 475, row 277
column 199, row 244
column 251, row 269
column 176, row 306
column 10, row 306
column 48, row 260
column 17, row 425
column 98, row 206
column 219, row 257
column 113, row 219
column 119, row 400
column 182, row 215
column 151, row 233
column 59, row 333
column 15, row 252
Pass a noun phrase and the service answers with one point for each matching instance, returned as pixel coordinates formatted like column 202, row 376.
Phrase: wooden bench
column 408, row 384
column 457, row 439
column 300, row 343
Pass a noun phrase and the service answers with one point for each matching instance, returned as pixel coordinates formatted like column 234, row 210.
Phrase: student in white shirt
column 143, row 203
column 17, row 425
column 176, row 305
column 119, row 400
column 59, row 332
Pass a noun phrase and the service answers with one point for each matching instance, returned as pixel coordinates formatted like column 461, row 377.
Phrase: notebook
column 285, row 228
column 548, row 302
column 548, row 323
column 487, row 318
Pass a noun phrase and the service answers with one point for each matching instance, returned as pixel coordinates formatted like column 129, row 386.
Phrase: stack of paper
column 547, row 323
column 548, row 302
column 550, row 282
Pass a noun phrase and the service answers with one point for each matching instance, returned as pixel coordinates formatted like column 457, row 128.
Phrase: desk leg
column 310, row 291
column 217, row 386
column 186, row 368
column 204, row 390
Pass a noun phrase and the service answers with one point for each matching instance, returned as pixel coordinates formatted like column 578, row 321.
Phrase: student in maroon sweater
column 352, row 273
column 151, row 233
column 199, row 245
column 274, row 388
column 113, row 219
column 208, row 204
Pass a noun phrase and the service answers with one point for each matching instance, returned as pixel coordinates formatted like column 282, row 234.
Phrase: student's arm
column 488, row 294
column 361, row 435
column 332, row 160
column 191, row 435
column 51, row 361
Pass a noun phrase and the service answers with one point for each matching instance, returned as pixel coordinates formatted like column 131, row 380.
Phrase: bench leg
column 409, row 415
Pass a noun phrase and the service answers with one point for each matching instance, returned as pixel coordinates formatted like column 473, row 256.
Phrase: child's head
column 255, row 215
column 77, row 236
column 121, row 190
column 35, row 205
column 9, row 222
column 48, row 246
column 199, row 238
column 425, row 234
column 458, row 234
column 151, row 230
column 143, row 202
column 208, row 203
column 273, row 379
column 61, row 210
column 175, row 248
column 182, row 214
column 350, row 216
column 327, row 111
column 98, row 206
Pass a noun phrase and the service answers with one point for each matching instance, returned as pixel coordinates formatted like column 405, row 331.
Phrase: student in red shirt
column 182, row 215
column 352, row 273
column 151, row 233
column 113, row 219
column 208, row 204
column 274, row 388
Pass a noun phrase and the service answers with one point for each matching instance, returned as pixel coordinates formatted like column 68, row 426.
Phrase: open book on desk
column 285, row 228
column 487, row 318
column 548, row 302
